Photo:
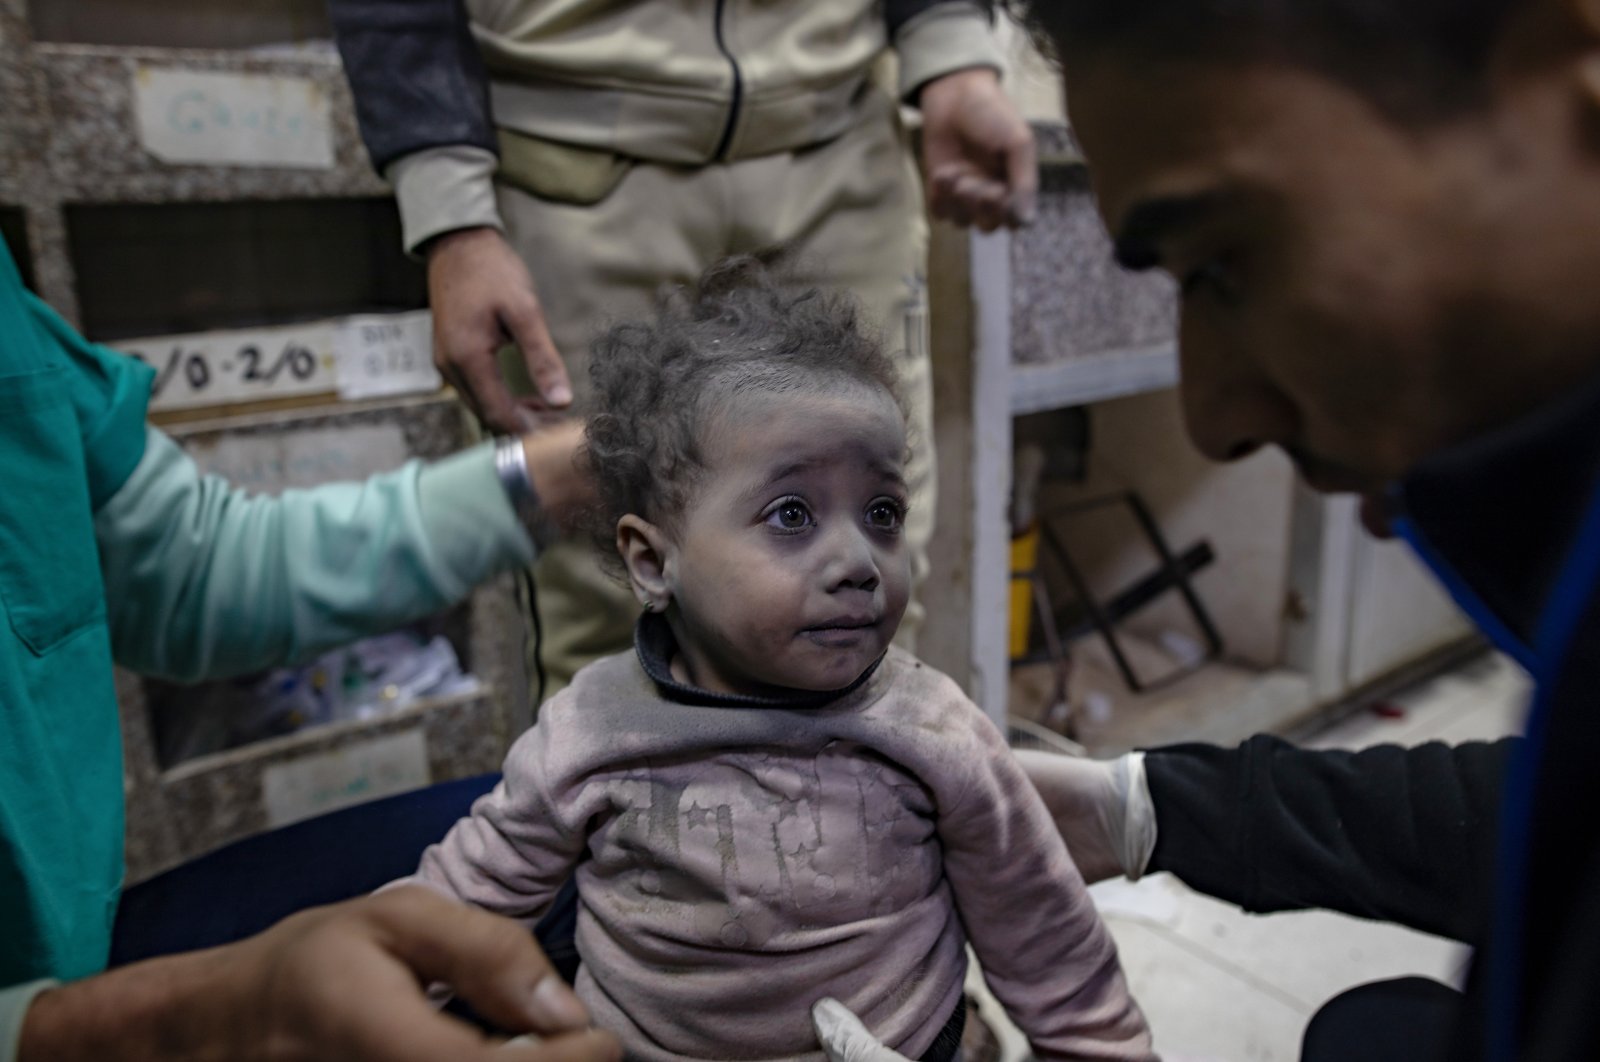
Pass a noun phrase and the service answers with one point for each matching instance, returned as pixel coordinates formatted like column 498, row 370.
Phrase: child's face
column 789, row 567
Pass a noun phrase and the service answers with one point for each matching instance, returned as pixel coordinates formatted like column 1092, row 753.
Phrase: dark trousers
column 558, row 929
column 1409, row 1020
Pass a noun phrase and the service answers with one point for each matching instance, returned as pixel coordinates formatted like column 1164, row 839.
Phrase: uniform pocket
column 562, row 173
column 49, row 563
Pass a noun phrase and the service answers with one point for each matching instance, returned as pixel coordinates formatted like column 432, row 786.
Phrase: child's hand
column 844, row 1038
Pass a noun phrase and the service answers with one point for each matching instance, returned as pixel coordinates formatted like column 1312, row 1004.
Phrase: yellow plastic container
column 1024, row 557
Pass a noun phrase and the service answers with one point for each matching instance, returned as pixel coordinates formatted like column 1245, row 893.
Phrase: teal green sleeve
column 14, row 1004
column 109, row 392
column 205, row 581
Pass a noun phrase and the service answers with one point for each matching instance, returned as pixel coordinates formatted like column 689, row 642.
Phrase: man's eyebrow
column 1151, row 221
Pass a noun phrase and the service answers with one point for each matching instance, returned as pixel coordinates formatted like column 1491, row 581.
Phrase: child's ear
column 647, row 553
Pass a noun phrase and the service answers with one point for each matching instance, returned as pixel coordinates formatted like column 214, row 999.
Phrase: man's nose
column 1231, row 408
column 851, row 564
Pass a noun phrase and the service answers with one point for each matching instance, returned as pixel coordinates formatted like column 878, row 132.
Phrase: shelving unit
column 126, row 243
column 1054, row 324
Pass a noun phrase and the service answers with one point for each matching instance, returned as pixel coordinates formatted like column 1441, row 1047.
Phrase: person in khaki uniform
column 630, row 146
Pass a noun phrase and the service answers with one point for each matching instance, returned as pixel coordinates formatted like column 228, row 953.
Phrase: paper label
column 355, row 774
column 218, row 368
column 386, row 354
column 189, row 116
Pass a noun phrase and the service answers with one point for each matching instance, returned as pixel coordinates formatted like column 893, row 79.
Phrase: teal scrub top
column 71, row 431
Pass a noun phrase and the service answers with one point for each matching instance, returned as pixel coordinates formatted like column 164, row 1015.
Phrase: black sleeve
column 417, row 75
column 1399, row 835
column 898, row 12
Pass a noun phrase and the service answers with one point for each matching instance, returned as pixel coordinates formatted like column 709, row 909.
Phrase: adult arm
column 1044, row 949
column 937, row 37
column 204, row 580
column 422, row 100
column 333, row 984
column 1401, row 835
column 421, row 92
column 979, row 158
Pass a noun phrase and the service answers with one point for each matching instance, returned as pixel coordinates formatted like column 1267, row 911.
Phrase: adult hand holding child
column 332, row 984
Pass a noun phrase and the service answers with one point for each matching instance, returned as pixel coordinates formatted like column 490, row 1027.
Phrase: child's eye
column 789, row 516
column 885, row 514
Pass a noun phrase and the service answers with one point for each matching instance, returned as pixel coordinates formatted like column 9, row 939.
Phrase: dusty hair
column 658, row 385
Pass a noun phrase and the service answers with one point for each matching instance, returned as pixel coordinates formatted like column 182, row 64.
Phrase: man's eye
column 1216, row 277
column 790, row 516
column 885, row 515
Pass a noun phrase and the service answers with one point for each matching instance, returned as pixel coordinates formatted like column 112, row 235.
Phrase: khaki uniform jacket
column 683, row 82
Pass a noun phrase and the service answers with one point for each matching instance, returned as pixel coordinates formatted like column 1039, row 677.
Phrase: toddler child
column 766, row 804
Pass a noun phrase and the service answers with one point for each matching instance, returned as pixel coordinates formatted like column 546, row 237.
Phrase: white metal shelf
column 1097, row 378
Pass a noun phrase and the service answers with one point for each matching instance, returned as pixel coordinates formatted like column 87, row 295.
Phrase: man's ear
column 648, row 554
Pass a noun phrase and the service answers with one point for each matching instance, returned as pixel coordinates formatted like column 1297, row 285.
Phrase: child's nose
column 852, row 565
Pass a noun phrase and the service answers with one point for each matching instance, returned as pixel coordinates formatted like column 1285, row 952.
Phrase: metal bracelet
column 511, row 466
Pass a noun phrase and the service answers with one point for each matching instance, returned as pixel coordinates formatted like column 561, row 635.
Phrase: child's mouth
column 842, row 632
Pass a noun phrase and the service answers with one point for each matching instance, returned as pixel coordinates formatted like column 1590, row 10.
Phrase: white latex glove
column 1102, row 809
column 844, row 1038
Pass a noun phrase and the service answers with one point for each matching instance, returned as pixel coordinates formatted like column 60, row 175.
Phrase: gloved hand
column 844, row 1038
column 1102, row 809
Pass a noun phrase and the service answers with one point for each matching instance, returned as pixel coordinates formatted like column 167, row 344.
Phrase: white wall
column 1242, row 509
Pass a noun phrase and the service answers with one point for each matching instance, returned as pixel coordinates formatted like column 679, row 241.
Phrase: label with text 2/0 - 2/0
column 244, row 365
column 363, row 356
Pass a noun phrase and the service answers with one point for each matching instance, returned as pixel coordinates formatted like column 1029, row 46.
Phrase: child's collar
column 655, row 644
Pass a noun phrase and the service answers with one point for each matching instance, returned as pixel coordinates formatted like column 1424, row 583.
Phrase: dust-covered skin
column 789, row 567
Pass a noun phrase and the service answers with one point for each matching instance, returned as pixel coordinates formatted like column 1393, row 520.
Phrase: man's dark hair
column 659, row 385
column 1417, row 59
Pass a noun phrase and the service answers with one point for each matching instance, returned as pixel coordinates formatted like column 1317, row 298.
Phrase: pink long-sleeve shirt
column 745, row 862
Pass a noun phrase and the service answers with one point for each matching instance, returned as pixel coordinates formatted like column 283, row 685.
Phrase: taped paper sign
column 245, row 365
column 188, row 116
column 365, row 356
column 355, row 774
column 386, row 354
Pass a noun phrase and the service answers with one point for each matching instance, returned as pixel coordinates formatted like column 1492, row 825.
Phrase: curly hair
column 658, row 385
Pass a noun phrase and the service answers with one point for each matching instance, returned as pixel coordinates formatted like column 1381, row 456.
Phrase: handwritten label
column 387, row 354
column 218, row 368
column 365, row 356
column 188, row 116
column 275, row 462
column 345, row 777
